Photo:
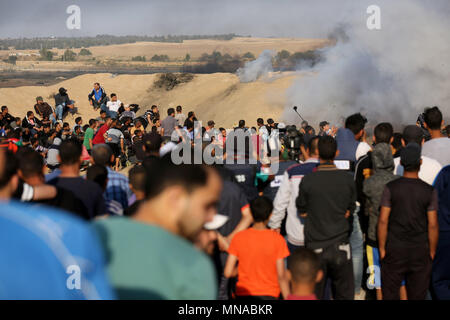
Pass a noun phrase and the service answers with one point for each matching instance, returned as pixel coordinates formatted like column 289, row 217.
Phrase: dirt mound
column 218, row 96
column 169, row 81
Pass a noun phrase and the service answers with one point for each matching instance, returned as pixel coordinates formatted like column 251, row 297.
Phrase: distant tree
column 46, row 55
column 69, row 55
column 249, row 56
column 227, row 56
column 159, row 58
column 85, row 52
column 282, row 55
column 188, row 57
column 138, row 58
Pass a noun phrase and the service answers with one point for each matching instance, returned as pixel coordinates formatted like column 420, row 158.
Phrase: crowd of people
column 348, row 217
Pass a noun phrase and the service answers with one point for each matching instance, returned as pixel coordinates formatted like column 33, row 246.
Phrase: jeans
column 112, row 114
column 356, row 243
column 292, row 247
column 59, row 109
column 336, row 264
column 52, row 119
column 96, row 104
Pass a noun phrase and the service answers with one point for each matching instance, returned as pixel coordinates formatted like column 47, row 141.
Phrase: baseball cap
column 323, row 124
column 152, row 141
column 62, row 90
column 39, row 98
column 281, row 125
column 218, row 221
column 410, row 155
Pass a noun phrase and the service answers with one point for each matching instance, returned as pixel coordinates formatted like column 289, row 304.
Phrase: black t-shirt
column 138, row 150
column 8, row 118
column 271, row 187
column 232, row 201
column 66, row 200
column 90, row 194
column 409, row 200
column 131, row 210
column 244, row 175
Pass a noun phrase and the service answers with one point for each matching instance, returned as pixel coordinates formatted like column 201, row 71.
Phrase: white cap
column 218, row 221
column 281, row 125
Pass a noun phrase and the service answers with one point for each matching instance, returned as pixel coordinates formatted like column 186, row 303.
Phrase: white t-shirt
column 428, row 170
column 438, row 149
column 362, row 149
column 113, row 105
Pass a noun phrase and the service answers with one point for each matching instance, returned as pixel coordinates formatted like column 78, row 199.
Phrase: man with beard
column 164, row 264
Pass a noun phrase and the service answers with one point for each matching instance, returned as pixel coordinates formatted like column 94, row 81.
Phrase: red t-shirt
column 294, row 297
column 99, row 138
column 257, row 252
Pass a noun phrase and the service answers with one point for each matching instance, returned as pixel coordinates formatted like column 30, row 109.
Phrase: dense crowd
column 342, row 216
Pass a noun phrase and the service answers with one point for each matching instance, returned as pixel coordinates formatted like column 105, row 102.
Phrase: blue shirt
column 118, row 188
column 41, row 250
column 52, row 175
column 98, row 94
column 442, row 185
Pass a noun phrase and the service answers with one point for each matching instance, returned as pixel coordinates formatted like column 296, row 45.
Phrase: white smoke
column 389, row 74
column 253, row 70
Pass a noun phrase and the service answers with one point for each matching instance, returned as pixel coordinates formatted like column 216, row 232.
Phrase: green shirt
column 146, row 262
column 89, row 134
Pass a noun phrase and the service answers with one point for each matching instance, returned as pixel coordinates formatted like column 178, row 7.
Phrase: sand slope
column 218, row 96
column 197, row 47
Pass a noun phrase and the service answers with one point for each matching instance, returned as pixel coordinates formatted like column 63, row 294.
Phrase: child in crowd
column 260, row 252
column 78, row 122
column 303, row 273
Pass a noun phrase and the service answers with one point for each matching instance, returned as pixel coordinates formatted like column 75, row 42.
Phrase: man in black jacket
column 63, row 104
column 326, row 198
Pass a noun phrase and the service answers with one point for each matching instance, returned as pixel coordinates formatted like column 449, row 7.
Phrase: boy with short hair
column 78, row 122
column 303, row 273
column 260, row 252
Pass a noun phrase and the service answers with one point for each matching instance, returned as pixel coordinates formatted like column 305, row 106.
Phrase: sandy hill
column 218, row 96
column 197, row 47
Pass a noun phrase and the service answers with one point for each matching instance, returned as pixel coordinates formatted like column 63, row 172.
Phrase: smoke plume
column 255, row 69
column 389, row 74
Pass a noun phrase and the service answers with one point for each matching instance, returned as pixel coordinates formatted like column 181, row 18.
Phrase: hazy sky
column 287, row 18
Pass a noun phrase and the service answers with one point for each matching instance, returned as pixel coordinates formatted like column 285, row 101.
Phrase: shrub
column 85, row 52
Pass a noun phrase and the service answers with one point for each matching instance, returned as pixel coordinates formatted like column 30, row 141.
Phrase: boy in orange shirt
column 260, row 251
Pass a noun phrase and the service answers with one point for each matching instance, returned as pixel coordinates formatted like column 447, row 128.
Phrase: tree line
column 99, row 40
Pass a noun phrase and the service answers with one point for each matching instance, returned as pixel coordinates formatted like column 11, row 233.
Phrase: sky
column 266, row 18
